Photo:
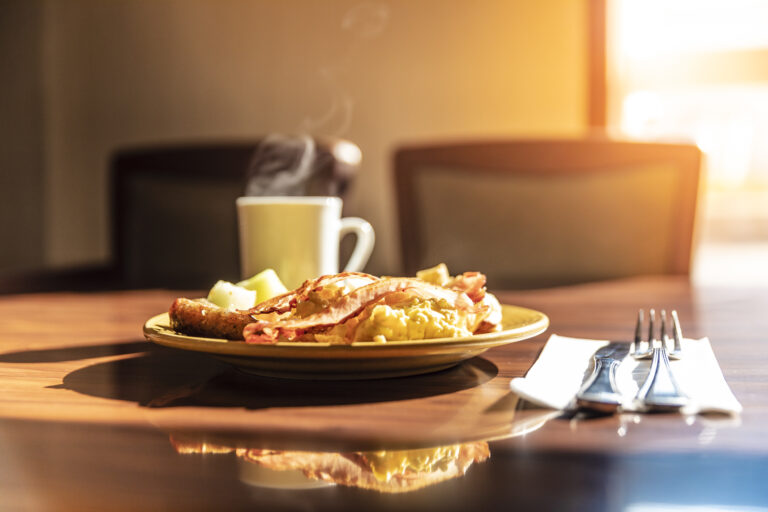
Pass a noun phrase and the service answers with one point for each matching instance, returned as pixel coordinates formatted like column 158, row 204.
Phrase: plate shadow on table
column 162, row 377
column 74, row 353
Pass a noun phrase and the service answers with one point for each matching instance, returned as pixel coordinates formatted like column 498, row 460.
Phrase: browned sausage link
column 195, row 318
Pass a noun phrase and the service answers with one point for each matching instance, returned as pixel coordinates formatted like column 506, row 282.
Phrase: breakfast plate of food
column 346, row 326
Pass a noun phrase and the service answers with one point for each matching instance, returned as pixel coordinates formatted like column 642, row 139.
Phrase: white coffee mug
column 298, row 237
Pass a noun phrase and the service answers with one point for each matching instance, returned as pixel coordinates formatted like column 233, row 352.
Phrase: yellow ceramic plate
column 360, row 360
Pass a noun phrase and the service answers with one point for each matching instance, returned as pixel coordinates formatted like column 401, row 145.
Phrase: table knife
column 599, row 392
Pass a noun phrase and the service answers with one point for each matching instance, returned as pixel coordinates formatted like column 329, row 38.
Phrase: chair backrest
column 174, row 214
column 537, row 213
column 174, row 218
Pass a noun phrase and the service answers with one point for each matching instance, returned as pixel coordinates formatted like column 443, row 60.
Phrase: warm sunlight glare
column 650, row 28
column 697, row 71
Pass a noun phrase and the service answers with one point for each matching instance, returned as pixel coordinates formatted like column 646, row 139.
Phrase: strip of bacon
column 471, row 283
column 350, row 305
column 285, row 302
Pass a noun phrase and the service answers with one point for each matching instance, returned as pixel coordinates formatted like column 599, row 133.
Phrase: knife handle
column 599, row 392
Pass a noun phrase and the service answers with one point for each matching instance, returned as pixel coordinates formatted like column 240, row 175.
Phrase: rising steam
column 287, row 165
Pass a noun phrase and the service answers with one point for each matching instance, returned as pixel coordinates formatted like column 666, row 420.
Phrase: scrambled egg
column 418, row 320
column 412, row 320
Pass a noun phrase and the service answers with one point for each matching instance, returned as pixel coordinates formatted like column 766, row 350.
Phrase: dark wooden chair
column 174, row 221
column 539, row 213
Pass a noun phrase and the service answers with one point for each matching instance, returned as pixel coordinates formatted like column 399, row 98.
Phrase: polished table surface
column 93, row 417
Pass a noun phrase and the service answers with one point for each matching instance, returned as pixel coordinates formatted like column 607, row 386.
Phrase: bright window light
column 695, row 71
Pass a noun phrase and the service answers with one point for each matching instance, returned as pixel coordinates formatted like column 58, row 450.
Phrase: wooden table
column 92, row 417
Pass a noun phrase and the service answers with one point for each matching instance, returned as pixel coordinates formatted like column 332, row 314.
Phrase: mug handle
column 365, row 239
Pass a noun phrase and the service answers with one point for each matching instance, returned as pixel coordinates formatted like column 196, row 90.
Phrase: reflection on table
column 388, row 471
column 88, row 407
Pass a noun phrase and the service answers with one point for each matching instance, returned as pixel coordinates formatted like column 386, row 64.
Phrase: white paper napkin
column 560, row 370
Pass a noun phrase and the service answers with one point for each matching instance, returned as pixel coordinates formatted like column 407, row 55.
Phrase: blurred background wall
column 81, row 78
column 22, row 135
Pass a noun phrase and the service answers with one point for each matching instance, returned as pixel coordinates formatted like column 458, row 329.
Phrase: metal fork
column 660, row 390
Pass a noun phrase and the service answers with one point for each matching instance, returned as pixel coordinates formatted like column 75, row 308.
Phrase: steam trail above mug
column 298, row 237
column 284, row 165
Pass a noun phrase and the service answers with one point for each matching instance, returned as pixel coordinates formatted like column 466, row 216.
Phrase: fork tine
column 663, row 331
column 676, row 333
column 651, row 320
column 639, row 332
